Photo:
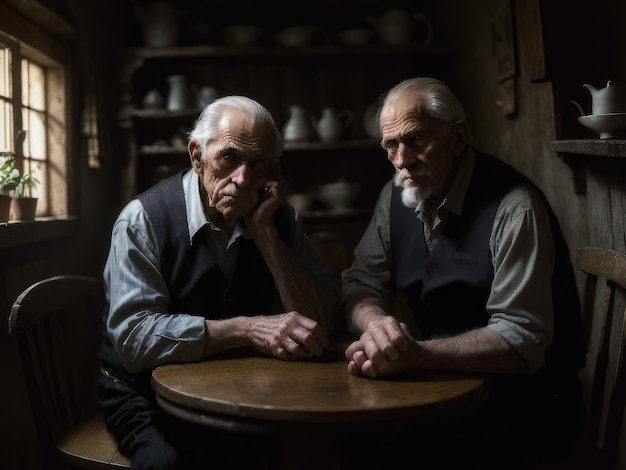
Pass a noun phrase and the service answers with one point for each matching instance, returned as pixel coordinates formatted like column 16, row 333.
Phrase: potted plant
column 23, row 203
column 19, row 187
column 7, row 183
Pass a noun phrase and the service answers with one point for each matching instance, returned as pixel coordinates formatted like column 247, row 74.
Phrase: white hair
column 207, row 124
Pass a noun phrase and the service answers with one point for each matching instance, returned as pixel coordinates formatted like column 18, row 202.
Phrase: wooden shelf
column 282, row 52
column 594, row 147
column 360, row 213
column 574, row 152
column 42, row 229
column 164, row 113
column 151, row 150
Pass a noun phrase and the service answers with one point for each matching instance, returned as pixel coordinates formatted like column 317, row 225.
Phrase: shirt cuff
column 520, row 341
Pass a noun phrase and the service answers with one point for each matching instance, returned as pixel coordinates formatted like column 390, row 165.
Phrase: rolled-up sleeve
column 520, row 301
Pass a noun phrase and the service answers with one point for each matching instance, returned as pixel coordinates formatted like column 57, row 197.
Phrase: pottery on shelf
column 301, row 202
column 370, row 121
column 179, row 95
column 205, row 96
column 153, row 100
column 300, row 127
column 339, row 195
column 294, row 36
column 333, row 125
column 397, row 26
column 355, row 36
column 608, row 100
column 242, row 35
column 160, row 24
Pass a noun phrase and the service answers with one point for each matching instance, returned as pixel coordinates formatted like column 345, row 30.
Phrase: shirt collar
column 196, row 217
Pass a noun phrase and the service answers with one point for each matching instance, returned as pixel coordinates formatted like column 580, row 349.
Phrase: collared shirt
column 522, row 254
column 143, row 331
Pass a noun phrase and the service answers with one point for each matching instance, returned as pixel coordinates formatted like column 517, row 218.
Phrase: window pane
column 36, row 87
column 6, row 108
column 6, row 90
column 35, row 143
column 6, row 130
column 37, row 170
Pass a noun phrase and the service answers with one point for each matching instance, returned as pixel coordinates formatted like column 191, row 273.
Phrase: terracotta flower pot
column 23, row 208
column 5, row 207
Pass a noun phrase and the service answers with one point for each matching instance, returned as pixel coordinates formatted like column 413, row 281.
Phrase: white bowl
column 609, row 126
column 294, row 36
column 355, row 37
column 300, row 201
column 242, row 35
column 340, row 195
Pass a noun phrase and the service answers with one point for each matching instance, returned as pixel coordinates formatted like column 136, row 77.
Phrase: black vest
column 447, row 290
column 195, row 283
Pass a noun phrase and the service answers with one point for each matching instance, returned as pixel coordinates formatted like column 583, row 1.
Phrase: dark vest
column 447, row 290
column 195, row 283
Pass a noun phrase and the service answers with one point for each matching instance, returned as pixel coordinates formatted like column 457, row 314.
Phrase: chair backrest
column 57, row 324
column 604, row 314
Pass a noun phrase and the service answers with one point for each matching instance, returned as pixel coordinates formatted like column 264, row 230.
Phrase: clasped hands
column 385, row 348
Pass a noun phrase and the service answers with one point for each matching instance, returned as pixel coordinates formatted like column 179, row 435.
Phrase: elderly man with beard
column 208, row 260
column 478, row 254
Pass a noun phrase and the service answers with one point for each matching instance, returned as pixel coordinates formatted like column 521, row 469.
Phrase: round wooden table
column 245, row 391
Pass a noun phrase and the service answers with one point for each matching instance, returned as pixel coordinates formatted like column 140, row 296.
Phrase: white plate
column 609, row 126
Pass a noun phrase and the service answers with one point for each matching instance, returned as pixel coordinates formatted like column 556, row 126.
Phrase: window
column 33, row 122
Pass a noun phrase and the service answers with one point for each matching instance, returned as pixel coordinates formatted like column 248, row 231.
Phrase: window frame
column 37, row 29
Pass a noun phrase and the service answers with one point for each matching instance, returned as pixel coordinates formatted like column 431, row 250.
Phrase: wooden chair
column 57, row 323
column 605, row 275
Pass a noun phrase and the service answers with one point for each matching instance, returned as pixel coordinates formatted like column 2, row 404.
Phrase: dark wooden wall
column 557, row 48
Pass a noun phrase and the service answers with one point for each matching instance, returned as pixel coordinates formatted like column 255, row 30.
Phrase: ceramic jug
column 160, row 24
column 397, row 26
column 333, row 125
column 608, row 100
column 370, row 121
column 205, row 95
column 152, row 100
column 300, row 127
column 179, row 95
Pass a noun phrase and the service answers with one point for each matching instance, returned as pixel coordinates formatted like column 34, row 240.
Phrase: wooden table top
column 248, row 391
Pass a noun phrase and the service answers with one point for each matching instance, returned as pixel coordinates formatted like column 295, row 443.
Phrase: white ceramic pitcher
column 333, row 125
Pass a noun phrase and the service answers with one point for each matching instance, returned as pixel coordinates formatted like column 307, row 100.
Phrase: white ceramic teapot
column 608, row 100
column 205, row 96
column 333, row 125
column 160, row 23
column 398, row 26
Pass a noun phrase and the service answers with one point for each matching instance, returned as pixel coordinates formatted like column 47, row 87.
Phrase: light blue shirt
column 142, row 329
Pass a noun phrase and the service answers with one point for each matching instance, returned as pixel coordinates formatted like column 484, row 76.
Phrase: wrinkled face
column 238, row 162
column 419, row 148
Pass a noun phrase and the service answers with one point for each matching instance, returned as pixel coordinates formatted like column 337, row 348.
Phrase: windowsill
column 18, row 233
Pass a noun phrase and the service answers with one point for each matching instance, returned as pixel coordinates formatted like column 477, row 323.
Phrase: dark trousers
column 155, row 440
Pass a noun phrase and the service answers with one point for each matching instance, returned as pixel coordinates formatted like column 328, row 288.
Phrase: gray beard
column 411, row 196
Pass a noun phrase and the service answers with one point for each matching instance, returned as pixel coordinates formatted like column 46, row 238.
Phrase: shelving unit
column 325, row 73
column 341, row 76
